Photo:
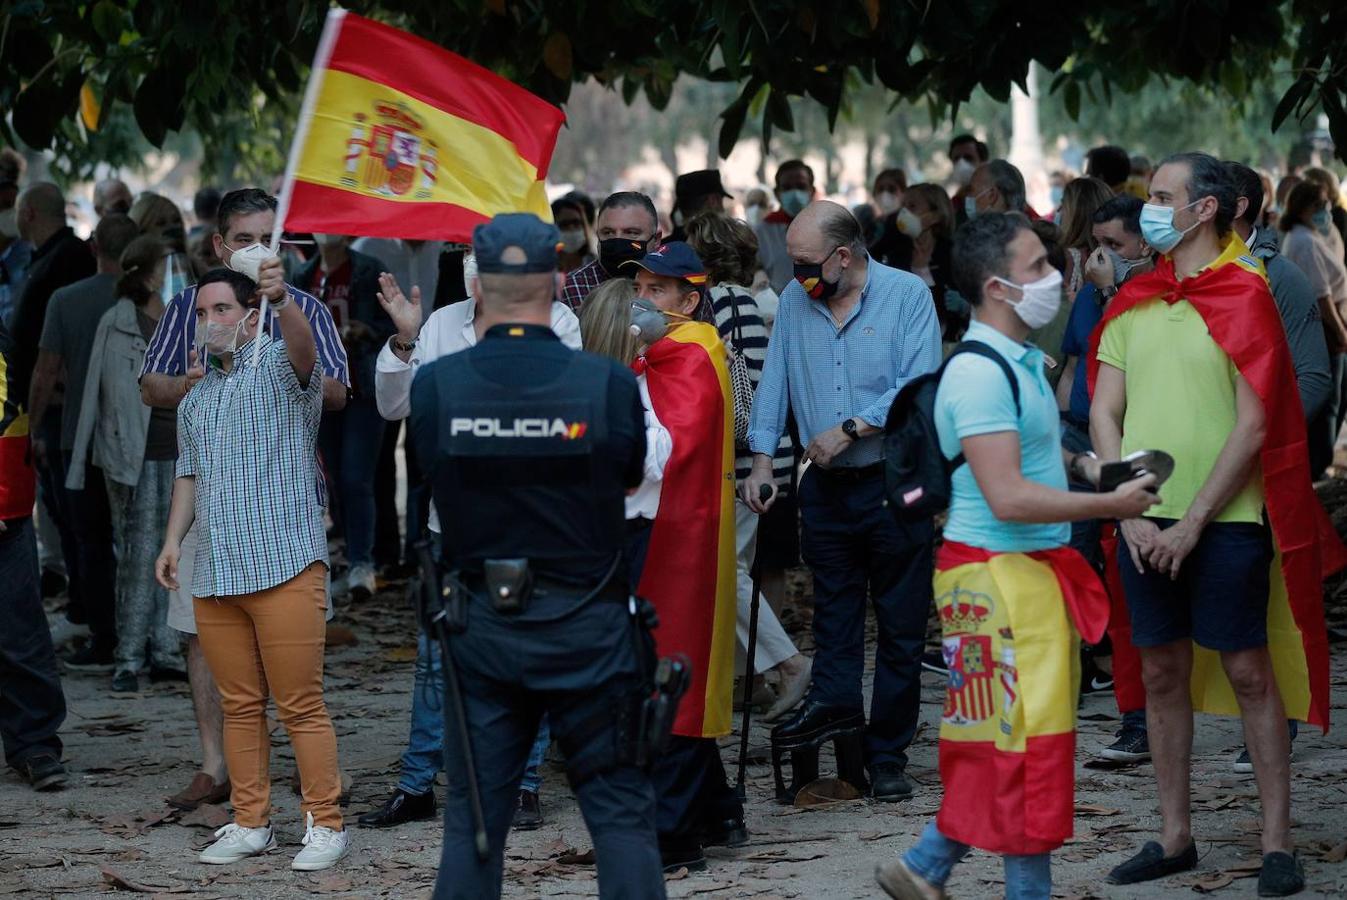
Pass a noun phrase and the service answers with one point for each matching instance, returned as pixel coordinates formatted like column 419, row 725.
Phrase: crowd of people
column 176, row 468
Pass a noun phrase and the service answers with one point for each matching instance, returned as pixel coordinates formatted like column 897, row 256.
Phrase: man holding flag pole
column 399, row 138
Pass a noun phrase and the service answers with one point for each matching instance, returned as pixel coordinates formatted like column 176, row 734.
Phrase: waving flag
column 399, row 138
column 689, row 567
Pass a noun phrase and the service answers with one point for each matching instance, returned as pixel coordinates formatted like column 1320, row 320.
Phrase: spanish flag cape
column 1233, row 298
column 18, row 481
column 1011, row 625
column 689, row 568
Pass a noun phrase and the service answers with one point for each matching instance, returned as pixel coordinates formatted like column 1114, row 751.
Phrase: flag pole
column 331, row 28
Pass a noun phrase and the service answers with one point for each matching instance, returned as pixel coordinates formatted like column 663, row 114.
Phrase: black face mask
column 613, row 252
column 810, row 276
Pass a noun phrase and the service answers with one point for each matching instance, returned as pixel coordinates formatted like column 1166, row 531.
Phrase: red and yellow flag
column 1011, row 625
column 1235, row 303
column 400, row 138
column 689, row 567
column 18, row 480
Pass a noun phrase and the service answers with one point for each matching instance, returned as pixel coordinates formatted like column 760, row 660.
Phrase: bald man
column 111, row 195
column 849, row 333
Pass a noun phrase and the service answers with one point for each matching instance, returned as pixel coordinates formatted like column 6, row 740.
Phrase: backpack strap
column 979, row 348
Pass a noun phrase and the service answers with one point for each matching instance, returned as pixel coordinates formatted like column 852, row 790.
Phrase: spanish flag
column 18, row 480
column 400, row 138
column 1011, row 625
column 689, row 566
column 1234, row 300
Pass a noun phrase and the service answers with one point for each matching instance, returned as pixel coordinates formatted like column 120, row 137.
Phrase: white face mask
column 573, row 240
column 248, row 260
column 469, row 272
column 219, row 339
column 9, row 222
column 963, row 172
column 909, row 223
column 887, row 200
column 1039, row 301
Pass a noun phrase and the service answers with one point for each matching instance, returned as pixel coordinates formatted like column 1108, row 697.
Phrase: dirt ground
column 111, row 831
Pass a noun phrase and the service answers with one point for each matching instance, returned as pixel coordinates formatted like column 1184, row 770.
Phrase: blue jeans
column 350, row 441
column 934, row 856
column 424, row 755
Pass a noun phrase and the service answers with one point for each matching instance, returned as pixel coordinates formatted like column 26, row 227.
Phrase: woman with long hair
column 1081, row 198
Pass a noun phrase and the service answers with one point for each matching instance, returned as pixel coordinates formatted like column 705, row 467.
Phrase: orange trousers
column 272, row 642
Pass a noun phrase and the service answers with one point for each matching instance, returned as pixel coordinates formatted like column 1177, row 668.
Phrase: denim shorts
column 1219, row 599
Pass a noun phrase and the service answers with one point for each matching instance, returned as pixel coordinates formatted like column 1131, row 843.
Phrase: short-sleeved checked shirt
column 249, row 439
column 171, row 343
column 580, row 282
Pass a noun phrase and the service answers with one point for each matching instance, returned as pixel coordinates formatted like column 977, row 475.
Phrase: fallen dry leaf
column 207, row 815
column 118, row 880
column 825, row 791
column 1336, row 854
column 1089, row 809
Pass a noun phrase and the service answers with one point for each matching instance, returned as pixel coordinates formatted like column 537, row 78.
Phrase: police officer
column 532, row 448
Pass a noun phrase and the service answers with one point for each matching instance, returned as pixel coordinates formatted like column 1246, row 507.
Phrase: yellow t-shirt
column 1180, row 399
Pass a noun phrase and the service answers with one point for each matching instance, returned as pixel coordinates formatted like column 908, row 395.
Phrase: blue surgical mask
column 1157, row 226
column 794, row 200
column 1055, row 192
column 1323, row 220
column 970, row 208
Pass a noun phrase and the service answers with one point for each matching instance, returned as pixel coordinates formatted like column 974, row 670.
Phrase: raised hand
column 406, row 314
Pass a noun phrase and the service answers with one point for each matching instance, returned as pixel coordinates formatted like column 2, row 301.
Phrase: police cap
column 516, row 244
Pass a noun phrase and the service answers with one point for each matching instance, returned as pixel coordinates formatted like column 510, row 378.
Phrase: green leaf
column 778, row 111
column 108, row 20
column 1291, row 99
column 1071, row 99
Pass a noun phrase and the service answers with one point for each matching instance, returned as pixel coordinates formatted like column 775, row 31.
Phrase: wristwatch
column 849, row 429
column 399, row 344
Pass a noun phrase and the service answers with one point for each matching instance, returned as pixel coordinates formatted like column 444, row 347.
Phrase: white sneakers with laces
column 323, row 847
column 236, row 843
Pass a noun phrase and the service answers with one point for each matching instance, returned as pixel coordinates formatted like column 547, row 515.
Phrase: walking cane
column 755, row 574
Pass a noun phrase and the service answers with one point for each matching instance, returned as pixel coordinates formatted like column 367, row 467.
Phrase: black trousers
column 577, row 668
column 91, row 519
column 32, row 704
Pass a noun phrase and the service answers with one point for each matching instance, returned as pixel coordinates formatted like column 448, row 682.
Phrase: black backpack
column 916, row 472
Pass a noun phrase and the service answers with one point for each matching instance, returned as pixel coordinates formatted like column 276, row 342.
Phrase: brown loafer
column 203, row 789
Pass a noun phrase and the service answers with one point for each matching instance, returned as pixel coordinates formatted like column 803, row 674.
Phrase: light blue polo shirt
column 974, row 398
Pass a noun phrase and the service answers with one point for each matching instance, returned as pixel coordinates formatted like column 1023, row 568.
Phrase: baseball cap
column 675, row 259
column 516, row 244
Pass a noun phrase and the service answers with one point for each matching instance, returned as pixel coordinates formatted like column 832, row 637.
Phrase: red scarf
column 1241, row 316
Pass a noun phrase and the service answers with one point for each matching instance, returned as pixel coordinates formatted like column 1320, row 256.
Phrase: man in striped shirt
column 245, row 216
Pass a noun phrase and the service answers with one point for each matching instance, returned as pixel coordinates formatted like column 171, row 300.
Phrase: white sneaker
column 236, row 843
column 322, row 848
column 360, row 582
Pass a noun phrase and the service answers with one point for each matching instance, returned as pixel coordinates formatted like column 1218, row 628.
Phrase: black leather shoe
column 1151, row 863
column 528, row 815
column 729, row 833
column 43, row 771
column 400, row 808
column 682, row 856
column 814, row 723
column 889, row 783
column 1281, row 876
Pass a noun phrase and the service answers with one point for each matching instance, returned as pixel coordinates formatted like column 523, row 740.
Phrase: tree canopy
column 89, row 72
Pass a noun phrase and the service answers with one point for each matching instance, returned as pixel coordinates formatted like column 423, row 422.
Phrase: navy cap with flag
column 516, row 244
column 676, row 260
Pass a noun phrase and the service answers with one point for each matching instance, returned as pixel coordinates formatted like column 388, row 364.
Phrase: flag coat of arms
column 689, row 574
column 400, row 138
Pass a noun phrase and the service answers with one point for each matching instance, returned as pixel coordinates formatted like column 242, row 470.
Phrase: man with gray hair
column 850, row 332
column 996, row 186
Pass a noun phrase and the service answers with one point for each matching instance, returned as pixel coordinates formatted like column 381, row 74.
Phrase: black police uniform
column 530, row 448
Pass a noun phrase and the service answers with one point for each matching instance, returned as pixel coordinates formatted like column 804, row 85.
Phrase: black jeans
column 855, row 548
column 96, row 558
column 56, row 505
column 32, row 705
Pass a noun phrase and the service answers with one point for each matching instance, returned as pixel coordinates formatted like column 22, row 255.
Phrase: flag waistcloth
column 1235, row 303
column 689, row 573
column 1010, row 639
